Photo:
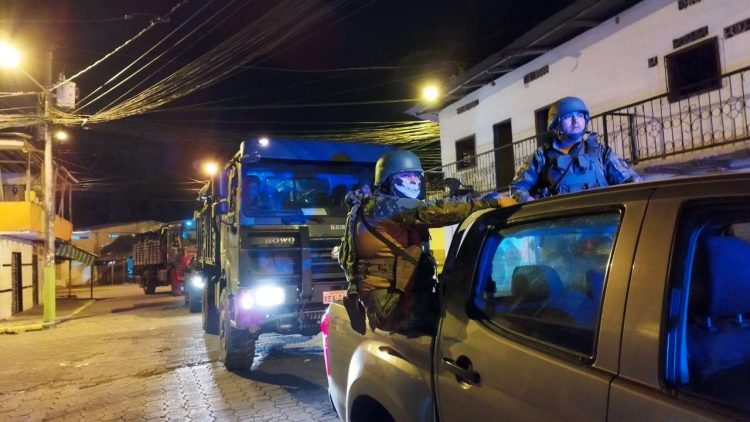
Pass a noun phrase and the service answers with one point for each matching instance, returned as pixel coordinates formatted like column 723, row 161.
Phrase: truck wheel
column 194, row 300
column 210, row 313
column 237, row 346
column 149, row 284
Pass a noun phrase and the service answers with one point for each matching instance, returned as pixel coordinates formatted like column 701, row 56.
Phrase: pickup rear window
column 707, row 351
column 544, row 280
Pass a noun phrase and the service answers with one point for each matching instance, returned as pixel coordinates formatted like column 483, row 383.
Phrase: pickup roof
column 625, row 303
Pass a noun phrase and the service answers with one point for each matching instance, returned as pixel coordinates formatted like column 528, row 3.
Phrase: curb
column 38, row 326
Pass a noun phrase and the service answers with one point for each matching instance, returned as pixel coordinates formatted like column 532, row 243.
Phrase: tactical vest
column 397, row 271
column 574, row 172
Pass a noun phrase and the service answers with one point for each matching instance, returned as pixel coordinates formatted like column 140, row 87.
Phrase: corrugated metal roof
column 66, row 250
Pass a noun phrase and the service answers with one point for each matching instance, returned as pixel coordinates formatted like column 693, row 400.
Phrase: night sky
column 144, row 166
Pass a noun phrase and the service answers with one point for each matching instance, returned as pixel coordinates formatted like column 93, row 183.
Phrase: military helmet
column 564, row 106
column 393, row 162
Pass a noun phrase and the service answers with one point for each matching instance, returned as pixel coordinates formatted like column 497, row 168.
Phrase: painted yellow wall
column 438, row 245
column 28, row 217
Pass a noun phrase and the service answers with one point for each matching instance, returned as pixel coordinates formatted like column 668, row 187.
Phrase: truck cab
column 268, row 229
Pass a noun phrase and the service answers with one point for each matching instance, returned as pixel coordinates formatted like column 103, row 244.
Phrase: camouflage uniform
column 589, row 164
column 398, row 293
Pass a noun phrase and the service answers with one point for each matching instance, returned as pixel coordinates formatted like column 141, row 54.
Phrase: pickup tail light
column 324, row 323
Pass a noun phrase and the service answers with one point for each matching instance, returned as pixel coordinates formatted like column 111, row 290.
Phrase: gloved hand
column 492, row 196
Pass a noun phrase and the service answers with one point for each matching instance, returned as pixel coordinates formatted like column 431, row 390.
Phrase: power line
column 153, row 23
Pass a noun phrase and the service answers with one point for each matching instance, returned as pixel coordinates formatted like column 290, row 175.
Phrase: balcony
column 25, row 220
column 21, row 180
column 642, row 133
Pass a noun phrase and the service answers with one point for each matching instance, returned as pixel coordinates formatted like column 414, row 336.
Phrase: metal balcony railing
column 649, row 129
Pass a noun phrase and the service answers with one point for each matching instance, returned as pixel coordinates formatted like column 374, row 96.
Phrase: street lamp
column 210, row 168
column 11, row 58
column 61, row 135
column 430, row 93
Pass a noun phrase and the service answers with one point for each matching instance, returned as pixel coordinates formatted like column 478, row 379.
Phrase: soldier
column 385, row 253
column 571, row 162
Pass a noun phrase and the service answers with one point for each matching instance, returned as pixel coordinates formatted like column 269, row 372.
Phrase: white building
column 666, row 81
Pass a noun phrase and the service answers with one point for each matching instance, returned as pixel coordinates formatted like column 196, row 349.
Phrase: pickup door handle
column 462, row 369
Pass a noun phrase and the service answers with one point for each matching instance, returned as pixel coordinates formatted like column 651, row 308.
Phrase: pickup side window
column 544, row 280
column 707, row 349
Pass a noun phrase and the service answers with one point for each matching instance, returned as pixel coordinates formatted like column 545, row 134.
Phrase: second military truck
column 160, row 256
column 267, row 225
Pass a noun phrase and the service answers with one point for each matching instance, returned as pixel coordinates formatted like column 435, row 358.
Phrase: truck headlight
column 198, row 281
column 268, row 296
column 261, row 297
column 246, row 299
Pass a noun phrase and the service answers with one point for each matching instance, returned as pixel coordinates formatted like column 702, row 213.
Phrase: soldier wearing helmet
column 384, row 252
column 574, row 161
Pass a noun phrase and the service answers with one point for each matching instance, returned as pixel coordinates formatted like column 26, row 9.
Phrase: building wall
column 606, row 66
column 8, row 246
column 95, row 238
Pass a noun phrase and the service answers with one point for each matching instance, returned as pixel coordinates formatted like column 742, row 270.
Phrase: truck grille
column 323, row 267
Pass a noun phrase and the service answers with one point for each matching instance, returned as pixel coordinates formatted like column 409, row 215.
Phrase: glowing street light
column 263, row 142
column 430, row 93
column 9, row 56
column 210, row 168
column 61, row 135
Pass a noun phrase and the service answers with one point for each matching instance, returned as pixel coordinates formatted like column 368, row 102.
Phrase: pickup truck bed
column 402, row 366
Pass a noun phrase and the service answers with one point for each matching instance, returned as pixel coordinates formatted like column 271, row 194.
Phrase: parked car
column 619, row 304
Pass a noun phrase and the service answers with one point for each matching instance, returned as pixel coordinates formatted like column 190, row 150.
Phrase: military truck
column 266, row 226
column 160, row 256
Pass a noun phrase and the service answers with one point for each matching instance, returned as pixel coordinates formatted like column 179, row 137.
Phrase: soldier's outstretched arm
column 444, row 213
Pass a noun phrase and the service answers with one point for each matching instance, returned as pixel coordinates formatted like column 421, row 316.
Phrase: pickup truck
column 619, row 304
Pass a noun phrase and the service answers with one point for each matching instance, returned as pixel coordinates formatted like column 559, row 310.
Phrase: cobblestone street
column 134, row 357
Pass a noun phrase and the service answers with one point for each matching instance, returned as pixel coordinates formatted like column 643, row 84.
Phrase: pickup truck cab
column 619, row 304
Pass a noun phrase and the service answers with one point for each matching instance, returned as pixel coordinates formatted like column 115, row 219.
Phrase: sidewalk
column 33, row 319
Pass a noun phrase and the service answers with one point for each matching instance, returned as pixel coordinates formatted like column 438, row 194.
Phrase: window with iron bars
column 466, row 151
column 693, row 70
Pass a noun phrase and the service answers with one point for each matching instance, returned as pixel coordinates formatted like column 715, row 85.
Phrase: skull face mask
column 407, row 184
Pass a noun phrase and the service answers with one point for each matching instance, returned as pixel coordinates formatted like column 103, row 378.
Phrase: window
column 544, row 280
column 693, row 70
column 466, row 152
column 708, row 344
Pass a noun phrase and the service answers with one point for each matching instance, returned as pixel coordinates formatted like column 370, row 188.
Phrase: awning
column 65, row 250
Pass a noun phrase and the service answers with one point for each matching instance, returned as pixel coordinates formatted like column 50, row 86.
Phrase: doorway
column 16, row 276
column 505, row 168
column 542, row 133
column 35, row 279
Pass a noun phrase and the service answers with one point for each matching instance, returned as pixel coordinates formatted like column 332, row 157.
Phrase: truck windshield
column 286, row 188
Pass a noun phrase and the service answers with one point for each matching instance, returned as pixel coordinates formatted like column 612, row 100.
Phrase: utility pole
column 50, row 282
